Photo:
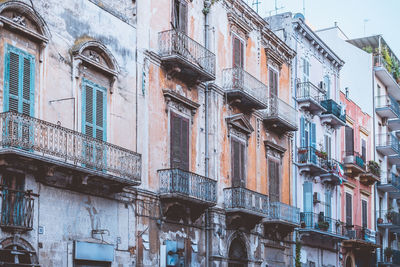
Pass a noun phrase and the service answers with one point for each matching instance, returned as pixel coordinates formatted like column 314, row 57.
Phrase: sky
column 381, row 16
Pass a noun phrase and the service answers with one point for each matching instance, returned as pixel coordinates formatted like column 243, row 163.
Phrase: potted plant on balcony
column 380, row 220
column 323, row 225
column 374, row 168
column 389, row 216
column 386, row 56
column 388, row 254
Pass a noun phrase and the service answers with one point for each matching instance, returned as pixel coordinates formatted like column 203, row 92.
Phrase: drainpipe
column 374, row 140
column 294, row 178
column 206, row 10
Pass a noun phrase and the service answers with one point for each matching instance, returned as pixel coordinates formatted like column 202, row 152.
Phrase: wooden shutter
column 94, row 110
column 302, row 132
column 238, row 162
column 179, row 142
column 183, row 14
column 349, row 211
column 273, row 175
column 273, row 82
column 313, row 142
column 308, row 197
column 237, row 53
column 19, row 81
column 363, row 150
column 328, row 146
column 364, row 213
column 349, row 140
column 328, row 204
column 327, row 83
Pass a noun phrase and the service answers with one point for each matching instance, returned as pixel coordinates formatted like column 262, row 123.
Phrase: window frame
column 277, row 72
column 182, row 117
column 243, row 170
column 243, row 51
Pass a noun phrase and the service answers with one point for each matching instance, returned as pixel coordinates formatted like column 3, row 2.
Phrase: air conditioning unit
column 316, row 198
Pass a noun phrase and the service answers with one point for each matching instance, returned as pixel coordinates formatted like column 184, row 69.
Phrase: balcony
column 387, row 144
column 390, row 183
column 186, row 58
column 280, row 117
column 353, row 164
column 387, row 107
column 335, row 115
column 309, row 98
column 360, row 238
column 383, row 261
column 16, row 210
column 388, row 220
column 334, row 176
column 281, row 213
column 185, row 194
column 245, row 207
column 384, row 73
column 311, row 161
column 62, row 153
column 372, row 174
column 321, row 226
column 244, row 90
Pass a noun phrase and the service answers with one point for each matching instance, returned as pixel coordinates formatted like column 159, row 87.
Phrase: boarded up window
column 273, row 82
column 349, row 209
column 179, row 142
column 238, row 162
column 274, row 180
column 349, row 140
column 237, row 53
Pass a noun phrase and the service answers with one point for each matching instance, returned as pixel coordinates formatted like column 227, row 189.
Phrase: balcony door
column 238, row 154
column 179, row 142
column 237, row 254
column 274, row 180
column 94, row 123
column 349, row 209
column 19, row 81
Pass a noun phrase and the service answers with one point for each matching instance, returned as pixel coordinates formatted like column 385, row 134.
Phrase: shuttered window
column 179, row 142
column 273, row 82
column 179, row 15
column 328, row 146
column 238, row 162
column 273, row 178
column 364, row 213
column 328, row 204
column 94, row 110
column 306, row 70
column 19, row 81
column 349, row 140
column 308, row 197
column 349, row 209
column 237, row 53
column 363, row 150
column 327, row 83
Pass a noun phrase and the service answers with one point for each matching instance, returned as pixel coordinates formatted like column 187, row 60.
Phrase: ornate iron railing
column 284, row 212
column 310, row 220
column 309, row 90
column 388, row 217
column 352, row 157
column 388, row 140
column 17, row 209
column 176, row 43
column 279, row 109
column 311, row 155
column 238, row 198
column 177, row 181
column 386, row 101
column 356, row 232
column 334, row 108
column 234, row 79
column 390, row 178
column 57, row 143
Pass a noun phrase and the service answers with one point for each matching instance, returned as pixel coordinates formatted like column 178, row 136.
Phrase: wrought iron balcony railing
column 248, row 201
column 387, row 144
column 311, row 155
column 190, row 185
column 388, row 217
column 351, row 157
column 282, row 212
column 309, row 90
column 238, row 80
column 387, row 106
column 46, row 140
column 17, row 209
column 356, row 232
column 334, row 108
column 176, row 43
column 280, row 110
column 319, row 222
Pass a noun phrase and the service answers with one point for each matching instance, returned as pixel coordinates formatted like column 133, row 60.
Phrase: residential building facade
column 217, row 127
column 317, row 156
column 67, row 171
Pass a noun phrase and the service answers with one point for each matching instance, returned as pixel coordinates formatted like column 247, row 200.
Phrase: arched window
column 237, row 254
column 349, row 262
column 13, row 253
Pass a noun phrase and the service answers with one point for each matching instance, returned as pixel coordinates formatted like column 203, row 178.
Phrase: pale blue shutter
column 302, row 132
column 327, row 83
column 308, row 197
column 313, row 142
column 328, row 204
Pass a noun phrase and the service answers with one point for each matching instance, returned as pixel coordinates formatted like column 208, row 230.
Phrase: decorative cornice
column 174, row 96
column 272, row 146
column 365, row 192
column 240, row 122
column 276, row 49
column 364, row 130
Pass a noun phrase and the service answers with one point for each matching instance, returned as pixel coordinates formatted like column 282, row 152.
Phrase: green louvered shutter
column 19, row 81
column 94, row 110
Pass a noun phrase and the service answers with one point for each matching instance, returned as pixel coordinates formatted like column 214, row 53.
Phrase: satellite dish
column 299, row 16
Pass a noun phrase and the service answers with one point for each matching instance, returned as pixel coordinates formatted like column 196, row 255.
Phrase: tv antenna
column 256, row 3
column 276, row 8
